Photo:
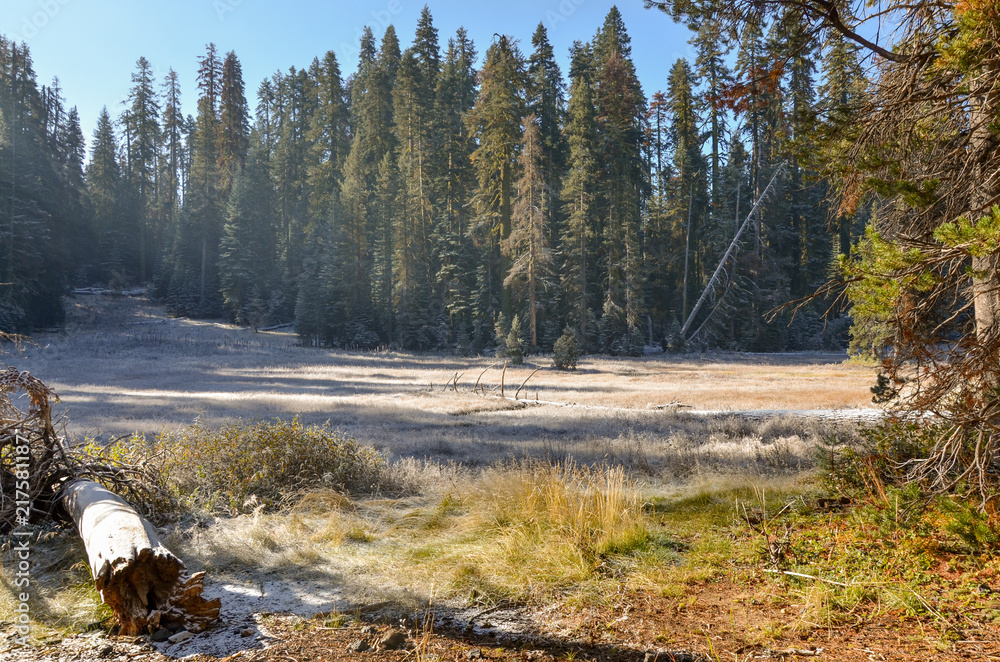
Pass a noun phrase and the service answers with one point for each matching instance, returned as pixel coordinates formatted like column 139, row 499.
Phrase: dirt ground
column 716, row 621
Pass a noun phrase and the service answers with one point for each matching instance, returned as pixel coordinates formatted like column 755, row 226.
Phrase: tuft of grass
column 529, row 530
column 596, row 511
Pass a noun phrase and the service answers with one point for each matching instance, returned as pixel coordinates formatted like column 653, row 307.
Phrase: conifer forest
column 435, row 193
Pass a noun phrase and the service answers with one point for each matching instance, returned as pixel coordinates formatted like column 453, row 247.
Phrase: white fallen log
column 143, row 583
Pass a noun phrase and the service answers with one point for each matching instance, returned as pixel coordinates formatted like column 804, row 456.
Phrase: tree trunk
column 985, row 289
column 145, row 585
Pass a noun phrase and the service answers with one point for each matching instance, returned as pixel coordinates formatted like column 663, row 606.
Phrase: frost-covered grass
column 479, row 495
column 123, row 366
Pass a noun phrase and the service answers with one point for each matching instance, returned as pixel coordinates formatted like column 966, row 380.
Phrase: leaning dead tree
column 145, row 585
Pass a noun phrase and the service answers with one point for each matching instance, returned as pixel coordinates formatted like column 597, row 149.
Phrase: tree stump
column 142, row 581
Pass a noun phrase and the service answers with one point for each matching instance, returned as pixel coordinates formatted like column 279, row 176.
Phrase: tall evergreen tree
column 171, row 159
column 193, row 287
column 328, row 136
column 142, row 139
column 528, row 243
column 247, row 254
column 455, row 184
column 494, row 121
column 234, row 123
column 687, row 206
column 412, row 254
column 712, row 45
column 579, row 261
column 34, row 217
column 546, row 99
column 104, row 180
column 622, row 184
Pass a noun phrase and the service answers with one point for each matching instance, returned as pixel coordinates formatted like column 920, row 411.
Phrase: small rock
column 180, row 637
column 394, row 640
column 369, row 630
column 161, row 635
column 475, row 654
column 359, row 646
column 246, row 632
column 984, row 589
column 107, row 651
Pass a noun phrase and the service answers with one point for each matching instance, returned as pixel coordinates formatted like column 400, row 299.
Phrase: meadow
column 122, row 366
column 574, row 508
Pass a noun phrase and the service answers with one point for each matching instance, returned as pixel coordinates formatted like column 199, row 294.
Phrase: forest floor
column 697, row 437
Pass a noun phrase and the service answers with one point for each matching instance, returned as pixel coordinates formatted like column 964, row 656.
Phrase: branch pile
column 145, row 585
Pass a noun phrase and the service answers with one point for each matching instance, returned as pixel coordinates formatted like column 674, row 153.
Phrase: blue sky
column 92, row 45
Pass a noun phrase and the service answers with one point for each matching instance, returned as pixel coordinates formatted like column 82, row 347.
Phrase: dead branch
column 518, row 392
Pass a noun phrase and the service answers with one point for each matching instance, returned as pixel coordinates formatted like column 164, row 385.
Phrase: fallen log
column 143, row 583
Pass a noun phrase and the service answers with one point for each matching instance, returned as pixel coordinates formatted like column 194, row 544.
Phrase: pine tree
column 142, row 136
column 171, row 160
column 686, row 206
column 366, row 224
column 546, row 99
column 247, row 252
column 33, row 210
column 454, row 186
column 528, row 243
column 494, row 122
column 234, row 124
column 328, row 136
column 579, row 263
column 115, row 237
column 622, row 184
column 295, row 106
column 412, row 255
column 193, row 286
column 712, row 45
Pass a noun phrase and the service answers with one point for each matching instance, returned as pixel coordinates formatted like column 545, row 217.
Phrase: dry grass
column 125, row 367
column 62, row 591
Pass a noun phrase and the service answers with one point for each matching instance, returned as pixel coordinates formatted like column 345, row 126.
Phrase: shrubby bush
column 515, row 342
column 566, row 351
column 259, row 463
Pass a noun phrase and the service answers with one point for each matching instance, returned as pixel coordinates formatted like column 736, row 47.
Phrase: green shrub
column 500, row 330
column 566, row 351
column 977, row 529
column 882, row 457
column 515, row 343
column 246, row 464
